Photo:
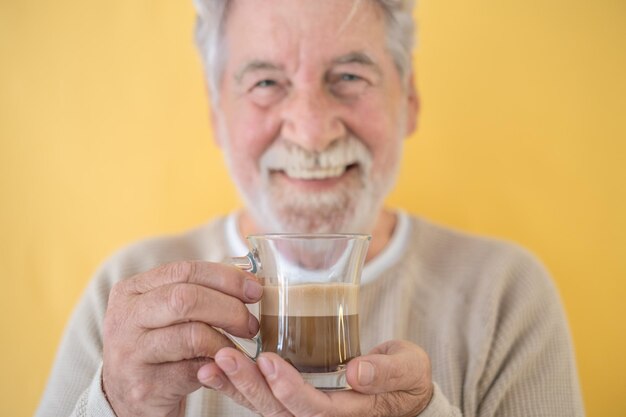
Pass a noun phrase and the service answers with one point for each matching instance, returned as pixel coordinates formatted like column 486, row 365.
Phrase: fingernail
column 252, row 289
column 208, row 379
column 253, row 325
column 227, row 364
column 365, row 373
column 214, row 381
column 266, row 366
column 204, row 373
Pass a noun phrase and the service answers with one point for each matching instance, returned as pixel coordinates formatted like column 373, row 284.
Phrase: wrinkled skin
column 158, row 334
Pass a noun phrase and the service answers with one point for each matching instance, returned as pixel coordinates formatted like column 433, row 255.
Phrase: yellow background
column 105, row 138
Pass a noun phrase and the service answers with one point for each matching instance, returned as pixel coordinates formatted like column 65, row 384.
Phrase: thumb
column 392, row 366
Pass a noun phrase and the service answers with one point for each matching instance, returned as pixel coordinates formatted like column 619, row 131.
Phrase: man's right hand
column 157, row 332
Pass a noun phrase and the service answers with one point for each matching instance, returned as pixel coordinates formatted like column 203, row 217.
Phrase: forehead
column 295, row 32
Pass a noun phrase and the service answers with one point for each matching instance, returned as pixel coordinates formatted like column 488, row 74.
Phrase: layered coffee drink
column 315, row 327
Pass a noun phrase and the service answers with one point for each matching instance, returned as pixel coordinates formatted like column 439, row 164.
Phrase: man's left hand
column 394, row 379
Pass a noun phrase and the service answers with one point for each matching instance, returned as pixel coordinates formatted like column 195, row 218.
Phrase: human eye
column 348, row 84
column 349, row 77
column 265, row 84
column 266, row 91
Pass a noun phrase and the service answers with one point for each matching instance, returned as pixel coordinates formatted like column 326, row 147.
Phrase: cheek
column 250, row 133
column 376, row 126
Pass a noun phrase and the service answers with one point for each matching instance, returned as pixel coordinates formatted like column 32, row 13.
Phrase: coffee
column 314, row 327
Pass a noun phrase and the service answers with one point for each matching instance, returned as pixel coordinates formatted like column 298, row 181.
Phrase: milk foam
column 310, row 300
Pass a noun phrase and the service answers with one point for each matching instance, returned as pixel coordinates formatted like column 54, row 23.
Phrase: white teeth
column 315, row 173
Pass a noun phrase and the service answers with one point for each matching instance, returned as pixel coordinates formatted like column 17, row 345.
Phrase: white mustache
column 298, row 162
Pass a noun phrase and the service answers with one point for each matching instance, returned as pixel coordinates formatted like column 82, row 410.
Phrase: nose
column 311, row 120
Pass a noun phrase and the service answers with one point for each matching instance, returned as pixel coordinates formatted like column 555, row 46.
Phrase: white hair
column 212, row 15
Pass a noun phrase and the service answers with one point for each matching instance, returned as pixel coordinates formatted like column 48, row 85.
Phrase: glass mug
column 308, row 314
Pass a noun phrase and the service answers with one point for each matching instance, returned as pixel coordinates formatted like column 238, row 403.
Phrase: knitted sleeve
column 73, row 387
column 490, row 318
column 529, row 367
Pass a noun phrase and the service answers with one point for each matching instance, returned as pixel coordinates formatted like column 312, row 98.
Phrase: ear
column 413, row 105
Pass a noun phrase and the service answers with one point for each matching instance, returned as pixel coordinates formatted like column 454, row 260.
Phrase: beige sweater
column 485, row 311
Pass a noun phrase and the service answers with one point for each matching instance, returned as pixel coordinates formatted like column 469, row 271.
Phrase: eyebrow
column 256, row 65
column 357, row 57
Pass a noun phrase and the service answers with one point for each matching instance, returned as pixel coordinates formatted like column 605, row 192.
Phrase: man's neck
column 381, row 234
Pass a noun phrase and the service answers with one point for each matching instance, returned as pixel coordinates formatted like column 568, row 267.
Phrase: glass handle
column 245, row 263
column 250, row 347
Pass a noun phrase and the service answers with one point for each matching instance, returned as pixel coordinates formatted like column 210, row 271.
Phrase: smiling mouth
column 317, row 173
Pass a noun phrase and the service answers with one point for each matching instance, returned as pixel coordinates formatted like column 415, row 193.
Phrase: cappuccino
column 314, row 327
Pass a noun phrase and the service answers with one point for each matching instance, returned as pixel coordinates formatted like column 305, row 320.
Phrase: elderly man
column 311, row 103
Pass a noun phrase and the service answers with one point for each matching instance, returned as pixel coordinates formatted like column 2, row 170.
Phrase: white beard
column 351, row 206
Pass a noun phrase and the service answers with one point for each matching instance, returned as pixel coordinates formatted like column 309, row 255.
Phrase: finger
column 180, row 342
column 169, row 379
column 211, row 376
column 179, row 303
column 392, row 366
column 300, row 398
column 244, row 375
column 224, row 278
